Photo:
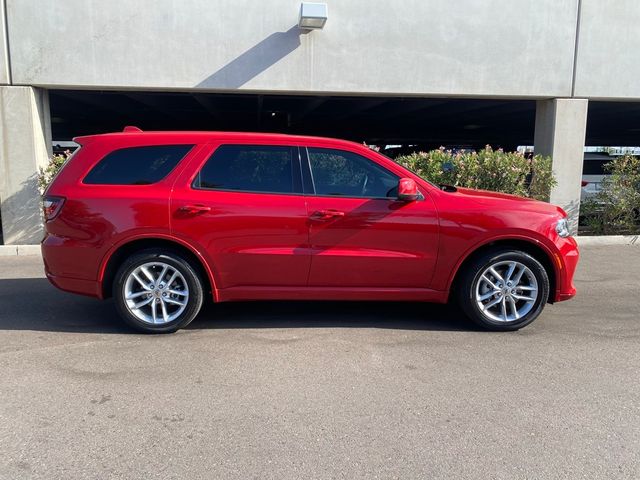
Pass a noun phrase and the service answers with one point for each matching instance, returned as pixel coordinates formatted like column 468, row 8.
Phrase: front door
column 244, row 207
column 360, row 235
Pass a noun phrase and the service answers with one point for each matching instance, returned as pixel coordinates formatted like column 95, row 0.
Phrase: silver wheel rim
column 156, row 293
column 506, row 291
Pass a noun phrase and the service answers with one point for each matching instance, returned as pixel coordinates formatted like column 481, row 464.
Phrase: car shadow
column 34, row 304
column 331, row 314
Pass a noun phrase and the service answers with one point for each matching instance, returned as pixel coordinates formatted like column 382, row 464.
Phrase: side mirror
column 407, row 190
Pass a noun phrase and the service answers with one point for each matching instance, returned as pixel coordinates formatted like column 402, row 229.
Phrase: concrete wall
column 25, row 144
column 425, row 47
column 519, row 48
column 607, row 64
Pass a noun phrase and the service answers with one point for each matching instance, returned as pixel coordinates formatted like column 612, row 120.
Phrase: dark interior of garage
column 426, row 122
column 390, row 120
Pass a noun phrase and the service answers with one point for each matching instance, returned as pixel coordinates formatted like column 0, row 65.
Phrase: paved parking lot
column 313, row 390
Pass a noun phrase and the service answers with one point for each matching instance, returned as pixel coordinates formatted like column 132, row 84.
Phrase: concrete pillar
column 561, row 125
column 25, row 145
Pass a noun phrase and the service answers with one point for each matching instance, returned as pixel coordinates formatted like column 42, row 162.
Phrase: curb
column 583, row 241
column 19, row 250
column 609, row 240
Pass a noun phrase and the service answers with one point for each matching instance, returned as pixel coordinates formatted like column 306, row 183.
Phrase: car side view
column 162, row 220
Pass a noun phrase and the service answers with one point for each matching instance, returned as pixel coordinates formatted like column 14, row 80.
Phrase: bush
column 488, row 169
column 615, row 209
column 47, row 174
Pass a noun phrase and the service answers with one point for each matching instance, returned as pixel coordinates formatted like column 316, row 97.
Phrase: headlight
column 562, row 228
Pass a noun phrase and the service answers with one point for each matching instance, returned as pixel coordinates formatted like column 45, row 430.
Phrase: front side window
column 342, row 173
column 250, row 168
column 137, row 165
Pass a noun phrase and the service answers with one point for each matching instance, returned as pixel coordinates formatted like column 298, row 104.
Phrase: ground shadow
column 255, row 60
column 33, row 304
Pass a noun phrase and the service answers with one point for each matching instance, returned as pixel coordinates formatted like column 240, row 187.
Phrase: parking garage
column 416, row 75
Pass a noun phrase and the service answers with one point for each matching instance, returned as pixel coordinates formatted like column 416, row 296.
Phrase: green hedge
column 488, row 169
column 47, row 173
column 615, row 209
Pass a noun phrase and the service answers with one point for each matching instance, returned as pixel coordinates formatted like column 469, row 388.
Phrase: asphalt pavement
column 322, row 390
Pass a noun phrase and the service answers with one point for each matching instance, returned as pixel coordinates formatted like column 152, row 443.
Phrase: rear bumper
column 75, row 285
column 64, row 266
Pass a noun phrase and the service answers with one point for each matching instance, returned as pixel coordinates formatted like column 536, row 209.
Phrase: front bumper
column 566, row 262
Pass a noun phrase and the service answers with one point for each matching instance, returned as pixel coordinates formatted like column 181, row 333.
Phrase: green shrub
column 615, row 208
column 47, row 173
column 488, row 169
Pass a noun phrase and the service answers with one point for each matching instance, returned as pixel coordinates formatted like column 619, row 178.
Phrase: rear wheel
column 157, row 291
column 503, row 290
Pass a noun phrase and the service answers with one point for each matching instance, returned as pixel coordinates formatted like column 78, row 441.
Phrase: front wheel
column 157, row 291
column 503, row 290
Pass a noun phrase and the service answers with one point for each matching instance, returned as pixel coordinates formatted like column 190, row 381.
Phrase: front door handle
column 194, row 209
column 323, row 215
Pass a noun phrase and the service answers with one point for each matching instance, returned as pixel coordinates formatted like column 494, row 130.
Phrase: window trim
column 296, row 174
column 309, row 181
column 131, row 147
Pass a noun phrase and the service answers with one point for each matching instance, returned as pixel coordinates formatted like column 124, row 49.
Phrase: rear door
column 360, row 234
column 243, row 205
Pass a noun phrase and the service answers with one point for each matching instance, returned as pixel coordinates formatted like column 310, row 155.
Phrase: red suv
column 159, row 220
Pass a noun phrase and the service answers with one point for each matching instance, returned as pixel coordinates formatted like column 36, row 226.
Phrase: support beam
column 5, row 67
column 25, row 145
column 560, row 132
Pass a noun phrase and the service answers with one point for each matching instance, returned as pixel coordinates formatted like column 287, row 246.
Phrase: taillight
column 584, row 183
column 51, row 207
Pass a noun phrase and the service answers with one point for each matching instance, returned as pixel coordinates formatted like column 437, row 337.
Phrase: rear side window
column 137, row 165
column 251, row 168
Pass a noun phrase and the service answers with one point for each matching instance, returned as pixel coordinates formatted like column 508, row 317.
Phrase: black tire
column 189, row 274
column 470, row 276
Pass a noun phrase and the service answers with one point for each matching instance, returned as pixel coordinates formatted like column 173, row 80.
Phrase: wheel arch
column 114, row 259
column 535, row 249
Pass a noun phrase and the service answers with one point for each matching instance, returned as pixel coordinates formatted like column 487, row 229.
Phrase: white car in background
column 593, row 173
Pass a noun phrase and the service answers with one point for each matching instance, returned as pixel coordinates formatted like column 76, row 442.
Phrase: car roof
column 204, row 136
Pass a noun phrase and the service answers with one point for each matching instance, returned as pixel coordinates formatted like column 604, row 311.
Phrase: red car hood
column 490, row 199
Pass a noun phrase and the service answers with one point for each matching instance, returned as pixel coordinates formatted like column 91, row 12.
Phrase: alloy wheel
column 506, row 291
column 156, row 293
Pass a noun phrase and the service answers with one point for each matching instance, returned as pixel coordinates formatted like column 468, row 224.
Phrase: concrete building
column 425, row 71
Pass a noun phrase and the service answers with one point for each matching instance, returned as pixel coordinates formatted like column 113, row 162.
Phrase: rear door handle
column 323, row 215
column 194, row 209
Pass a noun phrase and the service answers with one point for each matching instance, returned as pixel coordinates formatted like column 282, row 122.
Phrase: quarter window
column 251, row 168
column 137, row 165
column 342, row 173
